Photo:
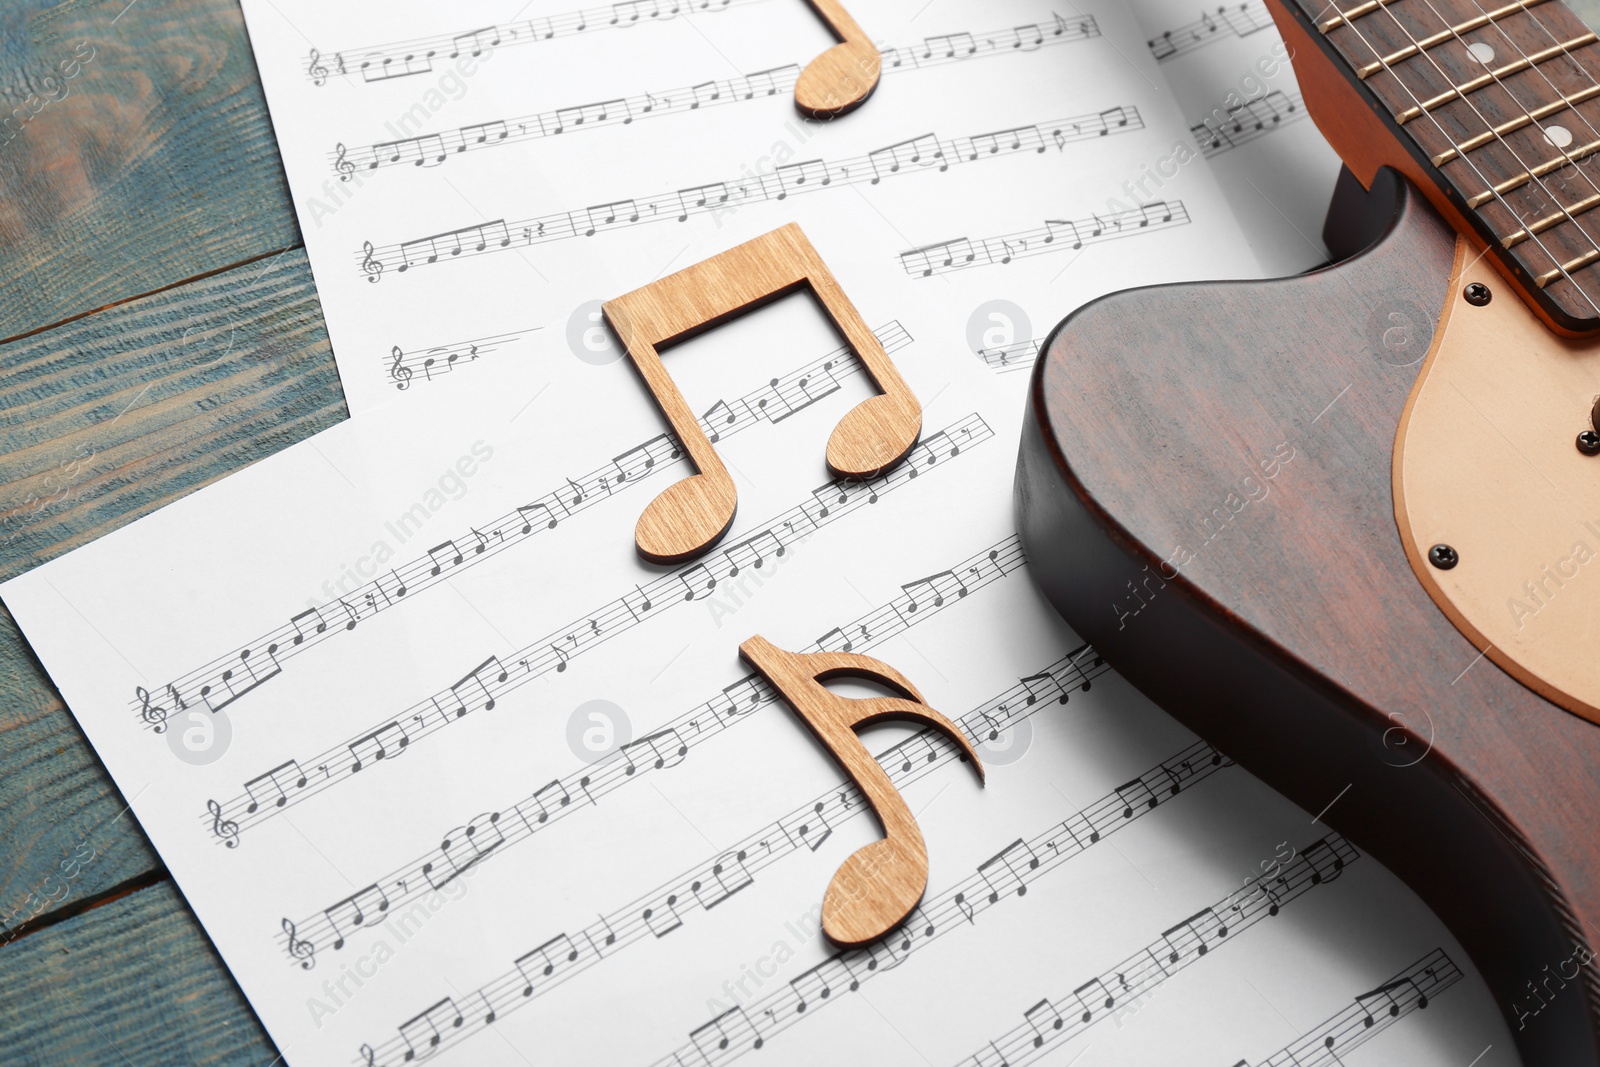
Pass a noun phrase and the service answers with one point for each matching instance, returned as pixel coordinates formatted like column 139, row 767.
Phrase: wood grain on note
column 840, row 79
column 690, row 516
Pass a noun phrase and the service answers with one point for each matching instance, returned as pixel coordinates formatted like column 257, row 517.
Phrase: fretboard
column 1500, row 100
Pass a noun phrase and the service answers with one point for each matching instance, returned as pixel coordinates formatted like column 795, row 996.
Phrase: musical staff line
column 1019, row 355
column 1255, row 118
column 1239, row 20
column 271, row 793
column 400, row 59
column 434, row 149
column 212, row 684
column 808, row 826
column 1050, row 1023
column 660, row 912
column 402, row 367
column 1003, row 877
column 1371, row 1013
column 1057, row 235
column 734, row 704
column 923, row 153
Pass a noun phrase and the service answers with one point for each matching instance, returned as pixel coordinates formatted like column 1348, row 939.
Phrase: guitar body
column 1206, row 491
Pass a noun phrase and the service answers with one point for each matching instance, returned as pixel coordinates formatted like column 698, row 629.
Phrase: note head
column 838, row 81
column 872, row 892
column 874, row 436
column 687, row 519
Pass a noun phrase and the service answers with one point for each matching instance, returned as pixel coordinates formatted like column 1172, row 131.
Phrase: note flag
column 877, row 886
column 840, row 79
column 690, row 516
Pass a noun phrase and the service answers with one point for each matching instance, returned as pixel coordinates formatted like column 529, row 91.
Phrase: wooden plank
column 134, row 981
column 113, row 416
column 153, row 163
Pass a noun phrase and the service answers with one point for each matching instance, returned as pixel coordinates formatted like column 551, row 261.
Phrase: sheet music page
column 466, row 184
column 1230, row 68
column 448, row 774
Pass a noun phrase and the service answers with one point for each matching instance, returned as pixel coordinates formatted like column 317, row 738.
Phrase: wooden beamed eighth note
column 692, row 515
column 877, row 885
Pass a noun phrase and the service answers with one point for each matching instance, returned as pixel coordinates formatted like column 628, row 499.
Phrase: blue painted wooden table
column 159, row 329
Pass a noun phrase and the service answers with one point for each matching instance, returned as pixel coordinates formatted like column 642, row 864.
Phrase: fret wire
column 1425, row 106
column 1354, row 13
column 1496, row 195
column 1568, row 267
column 1512, row 125
column 1534, row 174
column 1450, row 140
column 1562, row 212
column 1450, row 32
column 1588, row 203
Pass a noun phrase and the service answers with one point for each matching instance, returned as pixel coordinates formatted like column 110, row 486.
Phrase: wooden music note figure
column 840, row 79
column 878, row 885
column 690, row 516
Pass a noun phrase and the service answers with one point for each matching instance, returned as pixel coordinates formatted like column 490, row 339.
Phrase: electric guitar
column 1346, row 525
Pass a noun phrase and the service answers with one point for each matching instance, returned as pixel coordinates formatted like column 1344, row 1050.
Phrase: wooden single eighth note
column 690, row 516
column 877, row 886
column 840, row 79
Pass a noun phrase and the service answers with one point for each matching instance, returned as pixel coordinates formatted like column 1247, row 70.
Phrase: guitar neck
column 1493, row 109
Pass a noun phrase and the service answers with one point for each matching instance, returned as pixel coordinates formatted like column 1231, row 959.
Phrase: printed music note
column 662, row 918
column 354, row 911
column 427, row 1029
column 1005, row 869
column 731, row 1029
column 543, row 796
column 269, row 784
column 549, row 516
column 1191, row 934
column 840, row 79
column 1098, row 997
column 476, row 37
column 879, row 884
column 383, row 743
column 465, row 847
column 474, row 678
column 665, row 745
column 550, row 955
column 454, row 554
column 1043, row 1017
column 728, row 876
column 692, row 515
column 1382, row 1001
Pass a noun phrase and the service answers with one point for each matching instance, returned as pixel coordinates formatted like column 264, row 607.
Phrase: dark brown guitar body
column 1204, row 493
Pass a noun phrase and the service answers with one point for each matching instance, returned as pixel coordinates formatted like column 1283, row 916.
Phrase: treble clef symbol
column 399, row 371
column 226, row 829
column 371, row 264
column 319, row 73
column 299, row 949
column 343, row 165
column 154, row 714
column 366, row 1050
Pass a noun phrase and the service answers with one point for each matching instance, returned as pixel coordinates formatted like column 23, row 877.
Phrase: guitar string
column 1451, row 141
column 1529, row 171
column 1538, row 68
column 1571, row 106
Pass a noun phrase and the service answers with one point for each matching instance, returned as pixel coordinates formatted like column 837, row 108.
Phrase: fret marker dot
column 1559, row 136
column 1481, row 52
